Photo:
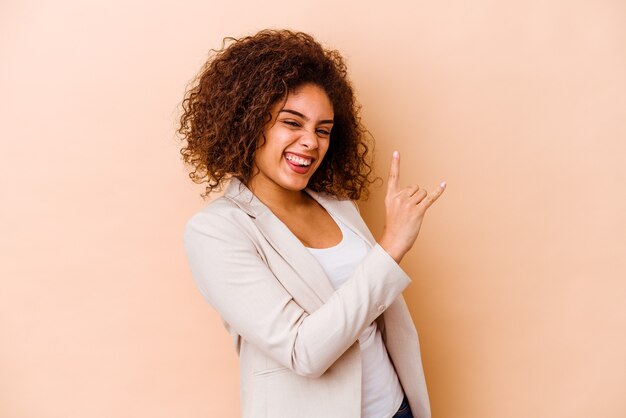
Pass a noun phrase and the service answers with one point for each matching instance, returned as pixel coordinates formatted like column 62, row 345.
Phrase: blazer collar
column 244, row 198
column 287, row 244
column 249, row 203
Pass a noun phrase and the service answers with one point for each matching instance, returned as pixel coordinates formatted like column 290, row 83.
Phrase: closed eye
column 323, row 132
column 291, row 123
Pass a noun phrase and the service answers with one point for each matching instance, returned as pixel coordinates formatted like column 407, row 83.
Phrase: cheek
column 279, row 141
column 270, row 151
column 263, row 157
column 323, row 150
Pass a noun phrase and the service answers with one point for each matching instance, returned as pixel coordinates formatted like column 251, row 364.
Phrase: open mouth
column 299, row 164
column 298, row 160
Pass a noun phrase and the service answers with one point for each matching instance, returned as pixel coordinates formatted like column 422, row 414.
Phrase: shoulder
column 219, row 217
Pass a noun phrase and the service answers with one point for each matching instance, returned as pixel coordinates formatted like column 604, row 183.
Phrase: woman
column 313, row 302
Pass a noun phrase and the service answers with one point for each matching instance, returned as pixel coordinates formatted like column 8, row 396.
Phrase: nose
column 309, row 140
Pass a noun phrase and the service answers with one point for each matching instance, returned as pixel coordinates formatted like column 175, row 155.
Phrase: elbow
column 304, row 366
column 311, row 373
column 312, row 358
column 309, row 368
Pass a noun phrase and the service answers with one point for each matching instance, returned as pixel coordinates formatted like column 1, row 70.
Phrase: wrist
column 391, row 249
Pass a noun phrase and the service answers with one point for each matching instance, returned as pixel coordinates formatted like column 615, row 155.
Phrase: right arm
column 235, row 280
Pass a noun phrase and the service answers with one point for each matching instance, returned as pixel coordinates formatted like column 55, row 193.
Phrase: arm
column 234, row 279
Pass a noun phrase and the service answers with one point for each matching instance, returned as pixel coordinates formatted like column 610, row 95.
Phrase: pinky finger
column 432, row 197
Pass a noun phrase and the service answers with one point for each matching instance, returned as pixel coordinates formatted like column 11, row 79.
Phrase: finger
column 418, row 196
column 411, row 190
column 394, row 172
column 432, row 197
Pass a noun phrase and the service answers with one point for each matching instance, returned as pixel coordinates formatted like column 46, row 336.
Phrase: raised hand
column 405, row 209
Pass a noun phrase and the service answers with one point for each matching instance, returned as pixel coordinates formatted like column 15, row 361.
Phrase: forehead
column 310, row 100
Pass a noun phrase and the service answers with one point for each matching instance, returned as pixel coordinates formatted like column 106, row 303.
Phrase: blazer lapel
column 283, row 241
column 293, row 252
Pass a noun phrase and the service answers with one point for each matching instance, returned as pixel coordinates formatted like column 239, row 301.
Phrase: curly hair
column 228, row 105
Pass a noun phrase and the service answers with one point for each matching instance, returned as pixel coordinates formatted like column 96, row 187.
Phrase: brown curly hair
column 229, row 102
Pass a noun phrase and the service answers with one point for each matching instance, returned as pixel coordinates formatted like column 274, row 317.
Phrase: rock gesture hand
column 405, row 209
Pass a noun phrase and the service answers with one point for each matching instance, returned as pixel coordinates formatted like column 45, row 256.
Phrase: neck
column 276, row 197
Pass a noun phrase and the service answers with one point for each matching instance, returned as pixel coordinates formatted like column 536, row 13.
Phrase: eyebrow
column 293, row 112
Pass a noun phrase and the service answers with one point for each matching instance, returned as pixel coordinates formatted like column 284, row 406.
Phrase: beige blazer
column 295, row 335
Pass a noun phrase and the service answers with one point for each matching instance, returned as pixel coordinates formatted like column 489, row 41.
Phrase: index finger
column 394, row 172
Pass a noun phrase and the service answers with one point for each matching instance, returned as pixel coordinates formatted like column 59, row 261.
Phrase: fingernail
column 396, row 154
column 442, row 184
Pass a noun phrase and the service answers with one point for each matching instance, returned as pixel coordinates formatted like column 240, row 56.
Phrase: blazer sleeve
column 235, row 280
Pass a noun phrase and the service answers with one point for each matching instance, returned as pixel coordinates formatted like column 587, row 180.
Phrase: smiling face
column 296, row 140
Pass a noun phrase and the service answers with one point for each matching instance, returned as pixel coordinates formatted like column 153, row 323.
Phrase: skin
column 302, row 125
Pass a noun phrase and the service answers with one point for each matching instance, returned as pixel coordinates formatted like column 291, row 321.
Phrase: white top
column 381, row 393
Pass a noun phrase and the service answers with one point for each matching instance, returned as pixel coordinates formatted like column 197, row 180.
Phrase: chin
column 294, row 185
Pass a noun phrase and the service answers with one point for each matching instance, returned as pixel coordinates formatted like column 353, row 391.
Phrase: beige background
column 519, row 288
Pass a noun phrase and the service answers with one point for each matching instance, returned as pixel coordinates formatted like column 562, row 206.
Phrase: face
column 296, row 141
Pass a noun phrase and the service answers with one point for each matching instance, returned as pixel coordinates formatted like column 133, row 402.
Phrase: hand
column 405, row 209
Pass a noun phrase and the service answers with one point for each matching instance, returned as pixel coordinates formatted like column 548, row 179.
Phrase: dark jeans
column 404, row 411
